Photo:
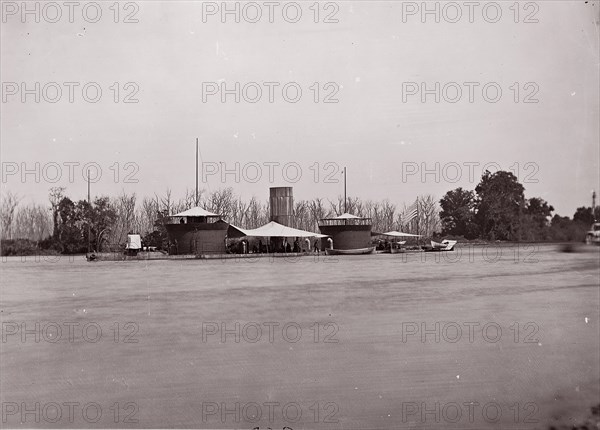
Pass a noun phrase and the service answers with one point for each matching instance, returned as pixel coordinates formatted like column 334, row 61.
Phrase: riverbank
column 489, row 251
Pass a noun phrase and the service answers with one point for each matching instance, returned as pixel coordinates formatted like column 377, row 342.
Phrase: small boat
column 445, row 245
column 358, row 251
column 394, row 248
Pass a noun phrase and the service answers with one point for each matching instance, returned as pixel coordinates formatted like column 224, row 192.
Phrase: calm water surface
column 464, row 340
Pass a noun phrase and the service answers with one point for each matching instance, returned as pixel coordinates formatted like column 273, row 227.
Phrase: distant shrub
column 19, row 247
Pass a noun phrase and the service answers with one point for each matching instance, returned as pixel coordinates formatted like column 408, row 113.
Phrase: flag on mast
column 410, row 213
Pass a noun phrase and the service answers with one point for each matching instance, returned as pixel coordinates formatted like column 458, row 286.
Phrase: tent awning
column 271, row 229
column 396, row 234
column 345, row 215
column 196, row 211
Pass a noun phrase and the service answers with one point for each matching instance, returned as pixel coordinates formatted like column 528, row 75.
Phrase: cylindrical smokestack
column 281, row 202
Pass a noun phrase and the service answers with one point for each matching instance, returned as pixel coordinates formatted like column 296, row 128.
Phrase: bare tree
column 187, row 202
column 165, row 202
column 429, row 220
column 32, row 222
column 336, row 207
column 126, row 220
column 221, row 202
column 239, row 211
column 148, row 214
column 257, row 213
column 8, row 205
column 317, row 212
column 301, row 215
column 386, row 221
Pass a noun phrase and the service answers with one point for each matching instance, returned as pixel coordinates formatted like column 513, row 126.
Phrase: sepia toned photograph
column 312, row 214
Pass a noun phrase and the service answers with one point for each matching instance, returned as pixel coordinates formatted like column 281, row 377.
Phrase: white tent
column 400, row 234
column 196, row 211
column 271, row 229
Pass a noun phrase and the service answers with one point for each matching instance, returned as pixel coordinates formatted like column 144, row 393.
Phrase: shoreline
column 566, row 247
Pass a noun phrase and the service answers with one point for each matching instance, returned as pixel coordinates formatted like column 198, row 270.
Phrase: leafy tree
column 535, row 224
column 563, row 229
column 457, row 215
column 155, row 238
column 68, row 235
column 80, row 224
column 101, row 217
column 539, row 209
column 500, row 201
column 158, row 236
column 585, row 215
column 55, row 196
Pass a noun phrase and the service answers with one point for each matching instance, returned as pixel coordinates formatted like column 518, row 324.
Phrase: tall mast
column 345, row 198
column 88, row 183
column 196, row 199
column 90, row 207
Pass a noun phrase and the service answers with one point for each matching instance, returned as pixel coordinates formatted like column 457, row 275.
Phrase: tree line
column 496, row 210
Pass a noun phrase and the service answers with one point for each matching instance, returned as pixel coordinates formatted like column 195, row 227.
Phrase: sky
column 369, row 74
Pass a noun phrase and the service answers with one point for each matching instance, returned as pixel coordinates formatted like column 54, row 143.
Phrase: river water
column 498, row 337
